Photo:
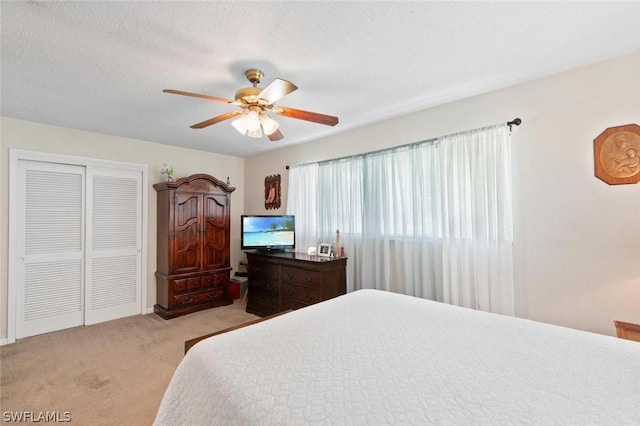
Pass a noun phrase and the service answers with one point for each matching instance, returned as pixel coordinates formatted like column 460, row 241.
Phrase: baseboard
column 149, row 310
column 4, row 342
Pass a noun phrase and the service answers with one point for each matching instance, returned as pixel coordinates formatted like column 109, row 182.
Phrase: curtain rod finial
column 514, row 122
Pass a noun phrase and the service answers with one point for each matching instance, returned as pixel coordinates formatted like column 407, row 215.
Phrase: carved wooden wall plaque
column 616, row 154
column 272, row 192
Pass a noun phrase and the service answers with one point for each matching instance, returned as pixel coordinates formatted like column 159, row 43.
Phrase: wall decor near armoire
column 193, row 245
column 616, row 154
column 272, row 192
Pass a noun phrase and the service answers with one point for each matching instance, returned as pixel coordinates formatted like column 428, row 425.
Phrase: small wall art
column 616, row 153
column 272, row 192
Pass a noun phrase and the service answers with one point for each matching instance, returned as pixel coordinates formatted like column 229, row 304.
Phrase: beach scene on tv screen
column 268, row 231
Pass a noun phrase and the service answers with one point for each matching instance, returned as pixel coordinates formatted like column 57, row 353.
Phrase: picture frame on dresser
column 324, row 250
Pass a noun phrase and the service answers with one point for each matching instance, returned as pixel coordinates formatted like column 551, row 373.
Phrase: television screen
column 267, row 232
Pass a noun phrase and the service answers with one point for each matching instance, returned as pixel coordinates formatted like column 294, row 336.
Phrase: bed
column 374, row 357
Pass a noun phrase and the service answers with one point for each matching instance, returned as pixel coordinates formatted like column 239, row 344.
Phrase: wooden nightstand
column 627, row 330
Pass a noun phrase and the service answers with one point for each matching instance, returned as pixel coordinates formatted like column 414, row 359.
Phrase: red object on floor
column 234, row 290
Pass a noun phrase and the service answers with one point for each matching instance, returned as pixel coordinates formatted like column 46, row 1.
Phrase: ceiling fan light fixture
column 269, row 125
column 254, row 133
column 240, row 124
column 253, row 121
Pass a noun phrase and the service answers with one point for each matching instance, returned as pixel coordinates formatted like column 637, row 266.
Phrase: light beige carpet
column 104, row 374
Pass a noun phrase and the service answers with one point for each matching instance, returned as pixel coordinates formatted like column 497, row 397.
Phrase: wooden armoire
column 193, row 245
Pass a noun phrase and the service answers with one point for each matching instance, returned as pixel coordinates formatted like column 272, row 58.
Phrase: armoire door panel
column 216, row 244
column 187, row 250
column 187, row 208
column 186, row 243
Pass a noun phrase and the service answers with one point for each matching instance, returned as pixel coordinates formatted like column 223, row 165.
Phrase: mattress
column 374, row 357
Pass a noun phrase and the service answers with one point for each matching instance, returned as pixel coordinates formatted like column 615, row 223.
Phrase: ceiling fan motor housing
column 248, row 94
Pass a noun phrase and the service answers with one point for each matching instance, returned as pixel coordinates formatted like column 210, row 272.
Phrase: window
column 432, row 219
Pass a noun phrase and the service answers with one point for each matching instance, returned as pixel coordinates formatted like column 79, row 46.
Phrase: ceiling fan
column 254, row 102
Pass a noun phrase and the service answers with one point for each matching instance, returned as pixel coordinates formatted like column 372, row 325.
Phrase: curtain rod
column 515, row 122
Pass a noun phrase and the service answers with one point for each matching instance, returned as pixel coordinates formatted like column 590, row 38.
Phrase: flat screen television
column 267, row 232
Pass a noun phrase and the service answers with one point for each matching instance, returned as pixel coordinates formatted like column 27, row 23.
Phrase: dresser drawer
column 301, row 294
column 198, row 298
column 260, row 286
column 265, row 270
column 301, row 276
column 267, row 303
column 289, row 304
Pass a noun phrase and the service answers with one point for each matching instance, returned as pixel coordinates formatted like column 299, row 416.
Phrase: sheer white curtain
column 431, row 220
column 301, row 202
column 477, row 211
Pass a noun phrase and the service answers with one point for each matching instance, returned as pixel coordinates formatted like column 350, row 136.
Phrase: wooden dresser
column 281, row 281
column 193, row 245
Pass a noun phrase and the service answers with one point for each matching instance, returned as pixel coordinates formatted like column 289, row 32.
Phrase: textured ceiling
column 101, row 66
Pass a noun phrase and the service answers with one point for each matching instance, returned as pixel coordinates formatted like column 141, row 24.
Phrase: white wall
column 577, row 239
column 39, row 137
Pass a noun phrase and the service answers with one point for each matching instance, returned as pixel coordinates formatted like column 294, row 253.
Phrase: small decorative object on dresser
column 324, row 250
column 193, row 245
column 616, row 154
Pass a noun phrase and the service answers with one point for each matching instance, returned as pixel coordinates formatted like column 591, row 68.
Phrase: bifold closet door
column 113, row 254
column 50, row 270
column 79, row 242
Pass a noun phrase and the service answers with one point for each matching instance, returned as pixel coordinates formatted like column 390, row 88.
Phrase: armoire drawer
column 182, row 285
column 198, row 298
column 215, row 280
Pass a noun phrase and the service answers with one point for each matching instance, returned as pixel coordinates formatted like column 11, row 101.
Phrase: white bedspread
column 373, row 357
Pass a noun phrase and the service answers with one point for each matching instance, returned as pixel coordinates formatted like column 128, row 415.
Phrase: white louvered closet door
column 50, row 268
column 113, row 254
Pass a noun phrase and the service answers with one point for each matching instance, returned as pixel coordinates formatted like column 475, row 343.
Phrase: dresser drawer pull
column 309, row 298
column 309, row 280
column 290, row 276
column 289, row 292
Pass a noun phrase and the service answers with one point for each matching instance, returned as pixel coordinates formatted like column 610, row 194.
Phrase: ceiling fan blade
column 275, row 136
column 277, row 90
column 197, row 95
column 328, row 120
column 216, row 119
